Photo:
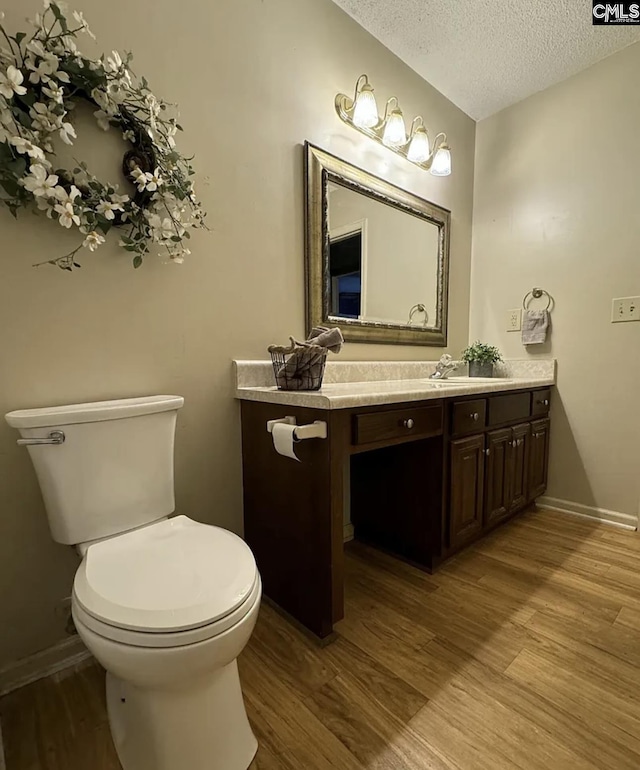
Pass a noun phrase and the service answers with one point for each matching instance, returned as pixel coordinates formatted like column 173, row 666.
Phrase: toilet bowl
column 165, row 604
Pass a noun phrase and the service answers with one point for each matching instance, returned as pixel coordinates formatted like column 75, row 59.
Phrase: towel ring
column 419, row 308
column 536, row 293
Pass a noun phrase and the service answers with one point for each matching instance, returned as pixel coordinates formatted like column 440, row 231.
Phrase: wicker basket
column 297, row 367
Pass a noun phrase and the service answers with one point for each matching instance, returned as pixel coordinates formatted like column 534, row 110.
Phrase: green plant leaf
column 137, row 261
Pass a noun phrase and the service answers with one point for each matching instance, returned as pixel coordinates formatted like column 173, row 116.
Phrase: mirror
column 377, row 256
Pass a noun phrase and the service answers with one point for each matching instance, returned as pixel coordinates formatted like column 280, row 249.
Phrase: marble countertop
column 372, row 392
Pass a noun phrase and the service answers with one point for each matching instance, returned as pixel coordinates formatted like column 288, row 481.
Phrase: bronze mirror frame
column 321, row 168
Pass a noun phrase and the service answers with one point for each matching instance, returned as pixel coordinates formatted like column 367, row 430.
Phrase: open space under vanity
column 415, row 467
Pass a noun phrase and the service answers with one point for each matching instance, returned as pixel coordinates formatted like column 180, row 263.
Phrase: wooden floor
column 523, row 652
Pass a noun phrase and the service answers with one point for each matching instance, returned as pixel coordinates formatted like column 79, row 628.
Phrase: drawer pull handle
column 475, row 416
column 408, row 424
column 543, row 402
column 514, row 443
column 487, row 451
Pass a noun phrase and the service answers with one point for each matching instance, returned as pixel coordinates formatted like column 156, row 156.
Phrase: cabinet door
column 521, row 439
column 538, row 458
column 498, row 475
column 466, row 494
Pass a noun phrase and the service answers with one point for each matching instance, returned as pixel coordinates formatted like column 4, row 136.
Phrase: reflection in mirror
column 383, row 262
column 377, row 256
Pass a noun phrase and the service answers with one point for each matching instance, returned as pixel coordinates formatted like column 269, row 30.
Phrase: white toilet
column 165, row 604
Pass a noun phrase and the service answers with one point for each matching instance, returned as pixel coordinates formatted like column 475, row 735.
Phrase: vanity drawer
column 540, row 401
column 397, row 423
column 469, row 416
column 515, row 406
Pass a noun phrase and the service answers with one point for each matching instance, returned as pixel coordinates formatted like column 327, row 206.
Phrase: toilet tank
column 114, row 470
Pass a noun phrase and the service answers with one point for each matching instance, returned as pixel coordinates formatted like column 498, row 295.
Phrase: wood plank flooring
column 521, row 653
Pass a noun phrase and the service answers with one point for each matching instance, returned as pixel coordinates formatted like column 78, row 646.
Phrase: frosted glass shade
column 419, row 150
column 442, row 162
column 365, row 112
column 395, row 133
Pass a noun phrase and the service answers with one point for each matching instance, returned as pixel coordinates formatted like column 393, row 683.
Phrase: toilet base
column 198, row 728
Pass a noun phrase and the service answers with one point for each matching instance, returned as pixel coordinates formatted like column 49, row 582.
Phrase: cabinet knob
column 543, row 402
column 487, row 451
column 546, row 402
column 514, row 443
column 475, row 416
column 408, row 423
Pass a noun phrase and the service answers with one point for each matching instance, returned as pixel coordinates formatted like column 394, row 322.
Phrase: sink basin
column 469, row 380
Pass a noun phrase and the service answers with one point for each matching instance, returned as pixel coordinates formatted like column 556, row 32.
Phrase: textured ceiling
column 485, row 54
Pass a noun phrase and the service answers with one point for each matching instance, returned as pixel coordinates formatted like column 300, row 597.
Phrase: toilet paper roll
column 283, row 439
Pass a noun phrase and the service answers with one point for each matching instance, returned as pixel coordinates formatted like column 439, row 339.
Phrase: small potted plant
column 481, row 359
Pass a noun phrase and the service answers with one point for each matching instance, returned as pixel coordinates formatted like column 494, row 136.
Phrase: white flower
column 163, row 229
column 154, row 181
column 68, row 216
column 54, row 92
column 67, row 133
column 128, row 136
column 43, row 119
column 116, row 92
column 25, row 147
column 47, row 66
column 139, row 178
column 103, row 119
column 93, row 240
column 41, row 184
column 103, row 101
column 108, row 209
column 36, row 47
column 178, row 258
column 67, row 197
column 114, row 62
column 119, row 200
column 11, row 83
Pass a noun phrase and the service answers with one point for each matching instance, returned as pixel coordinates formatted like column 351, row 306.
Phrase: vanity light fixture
column 365, row 111
column 395, row 133
column 361, row 112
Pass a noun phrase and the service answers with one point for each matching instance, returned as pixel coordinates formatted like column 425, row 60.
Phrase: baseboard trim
column 348, row 533
column 615, row 518
column 63, row 655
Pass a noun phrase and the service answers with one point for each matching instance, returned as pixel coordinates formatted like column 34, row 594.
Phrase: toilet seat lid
column 174, row 575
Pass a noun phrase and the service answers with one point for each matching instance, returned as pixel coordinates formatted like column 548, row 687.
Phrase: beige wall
column 254, row 79
column 556, row 205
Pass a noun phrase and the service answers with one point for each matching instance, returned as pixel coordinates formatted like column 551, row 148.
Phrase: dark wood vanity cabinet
column 420, row 480
column 495, row 473
column 538, row 458
column 467, row 489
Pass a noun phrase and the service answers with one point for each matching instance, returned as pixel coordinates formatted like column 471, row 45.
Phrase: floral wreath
column 41, row 76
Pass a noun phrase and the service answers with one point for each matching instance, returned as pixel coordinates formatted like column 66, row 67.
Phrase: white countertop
column 342, row 395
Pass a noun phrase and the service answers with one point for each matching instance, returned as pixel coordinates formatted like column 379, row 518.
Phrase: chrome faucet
column 446, row 366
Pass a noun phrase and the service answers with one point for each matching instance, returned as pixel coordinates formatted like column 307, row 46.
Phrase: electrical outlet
column 514, row 320
column 625, row 309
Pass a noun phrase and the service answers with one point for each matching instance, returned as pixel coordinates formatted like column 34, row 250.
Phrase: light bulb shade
column 442, row 162
column 365, row 112
column 419, row 150
column 395, row 133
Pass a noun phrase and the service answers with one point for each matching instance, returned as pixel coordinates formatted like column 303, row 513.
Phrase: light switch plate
column 514, row 320
column 625, row 309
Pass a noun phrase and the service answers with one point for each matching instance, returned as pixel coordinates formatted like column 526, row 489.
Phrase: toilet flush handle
column 55, row 437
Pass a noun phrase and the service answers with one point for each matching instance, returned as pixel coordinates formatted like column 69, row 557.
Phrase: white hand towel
column 535, row 325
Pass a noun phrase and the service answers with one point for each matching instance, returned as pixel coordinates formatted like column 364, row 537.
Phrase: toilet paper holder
column 317, row 429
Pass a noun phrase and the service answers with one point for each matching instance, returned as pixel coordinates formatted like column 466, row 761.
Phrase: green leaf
column 20, row 36
column 60, row 17
column 137, row 261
